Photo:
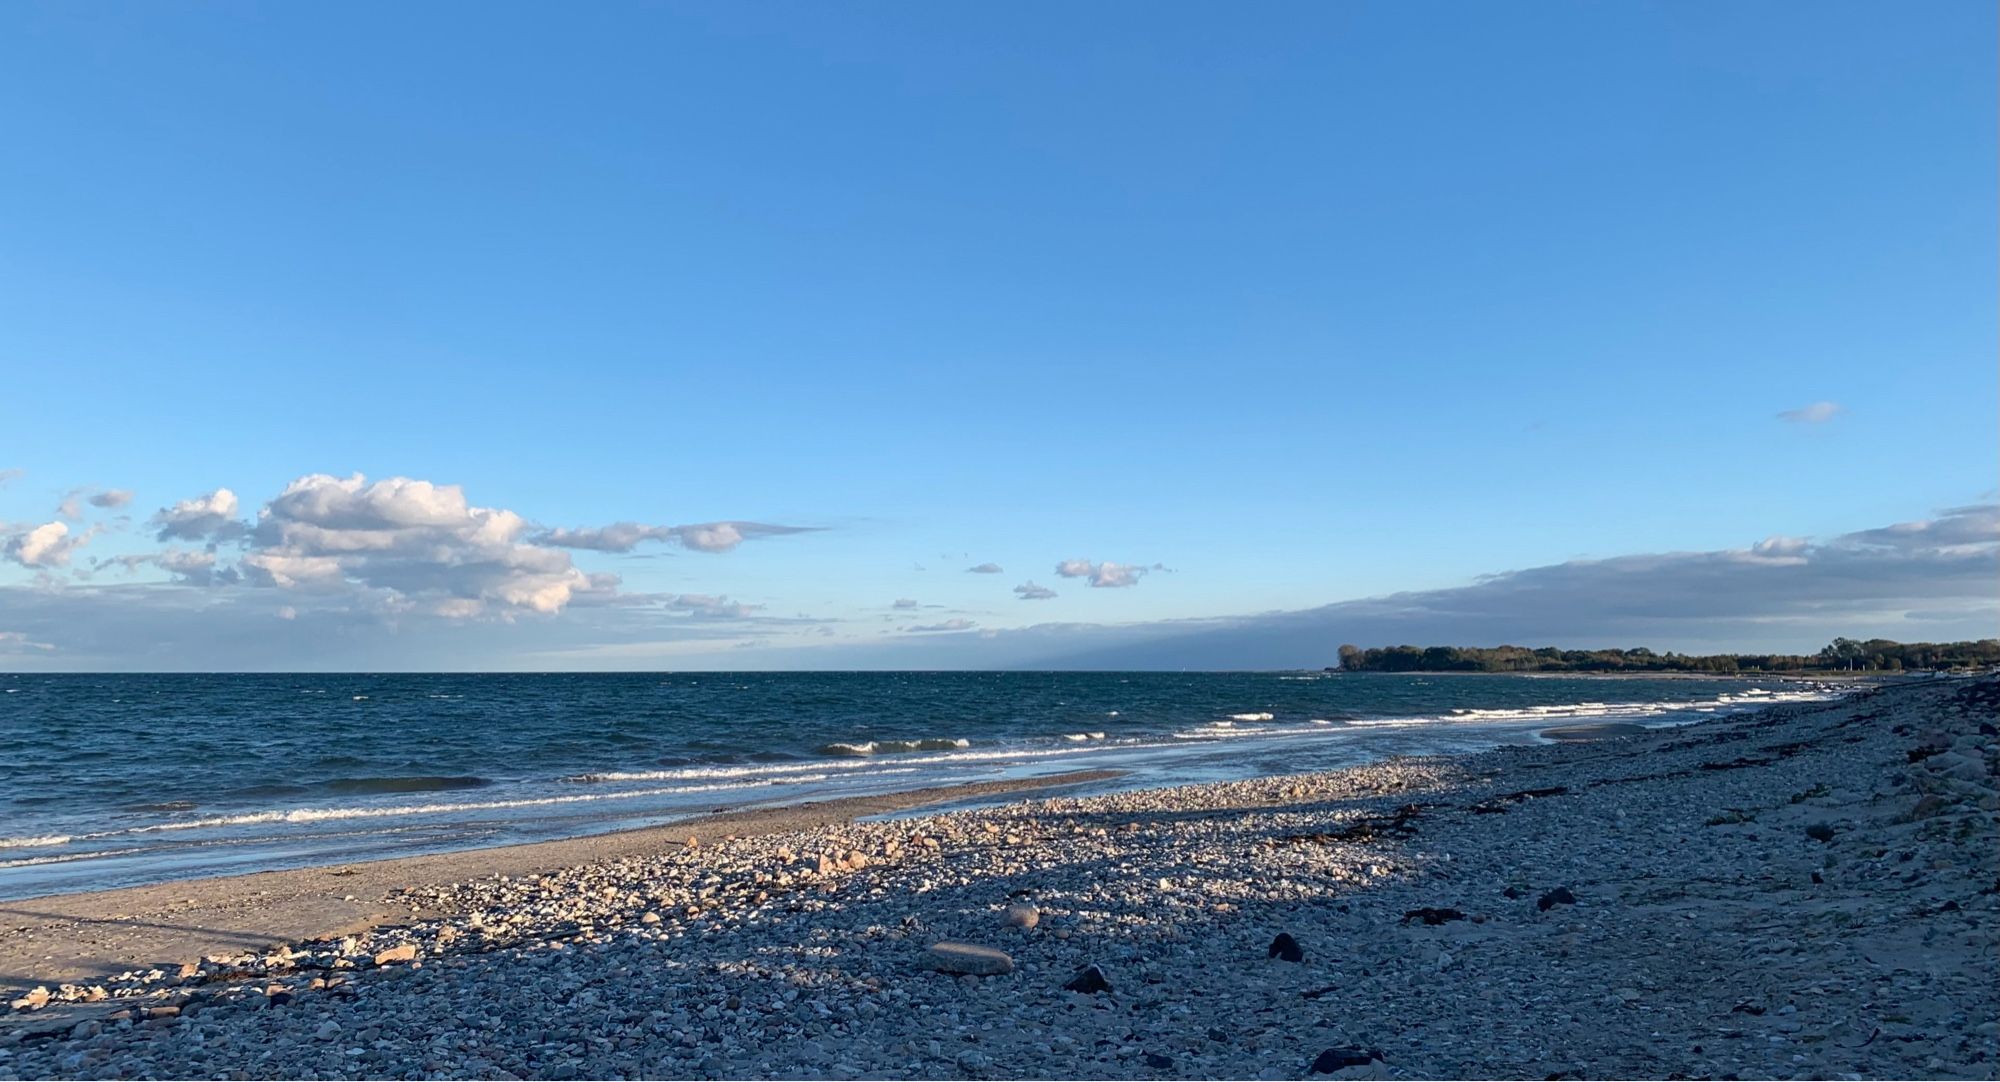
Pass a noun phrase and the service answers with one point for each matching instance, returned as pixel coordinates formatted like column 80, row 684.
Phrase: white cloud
column 74, row 500
column 418, row 546
column 1031, row 591
column 985, row 569
column 1955, row 528
column 46, row 546
column 954, row 624
column 1814, row 414
column 707, row 606
column 905, row 603
column 11, row 641
column 701, row 537
column 211, row 518
column 1105, row 575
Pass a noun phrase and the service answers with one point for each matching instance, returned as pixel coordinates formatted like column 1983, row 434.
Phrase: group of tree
column 1842, row 655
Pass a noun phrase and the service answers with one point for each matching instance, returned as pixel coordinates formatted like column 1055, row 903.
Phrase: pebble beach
column 1808, row 891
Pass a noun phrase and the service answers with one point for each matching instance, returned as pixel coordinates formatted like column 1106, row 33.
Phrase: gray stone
column 968, row 958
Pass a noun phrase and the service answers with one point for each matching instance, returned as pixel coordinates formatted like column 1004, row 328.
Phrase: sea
column 116, row 780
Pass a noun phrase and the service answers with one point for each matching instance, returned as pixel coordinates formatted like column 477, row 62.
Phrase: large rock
column 406, row 952
column 1287, row 948
column 968, row 958
column 1023, row 915
column 1335, row 1060
column 1089, row 982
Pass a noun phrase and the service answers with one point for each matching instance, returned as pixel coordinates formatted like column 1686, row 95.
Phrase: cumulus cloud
column 1104, row 575
column 1814, row 414
column 955, row 624
column 389, row 548
column 211, row 518
column 984, row 569
column 48, row 545
column 420, row 545
column 1032, row 591
column 701, row 537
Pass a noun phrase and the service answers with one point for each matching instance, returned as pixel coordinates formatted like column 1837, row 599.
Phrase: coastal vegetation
column 1841, row 655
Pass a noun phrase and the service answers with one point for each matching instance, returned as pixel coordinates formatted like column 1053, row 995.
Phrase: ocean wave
column 1250, row 717
column 1596, row 710
column 66, row 858
column 317, row 815
column 1079, row 737
column 879, row 747
column 32, row 841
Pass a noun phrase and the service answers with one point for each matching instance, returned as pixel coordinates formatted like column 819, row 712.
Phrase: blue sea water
column 111, row 780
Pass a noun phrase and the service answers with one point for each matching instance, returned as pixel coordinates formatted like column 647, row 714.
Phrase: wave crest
column 882, row 747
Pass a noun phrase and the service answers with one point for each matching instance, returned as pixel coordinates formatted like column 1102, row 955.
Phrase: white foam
column 318, row 815
column 873, row 747
column 1250, row 717
column 33, row 840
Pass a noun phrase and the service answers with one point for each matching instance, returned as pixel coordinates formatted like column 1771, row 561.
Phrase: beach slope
column 1806, row 891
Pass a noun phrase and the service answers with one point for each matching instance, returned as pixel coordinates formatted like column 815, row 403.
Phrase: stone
column 1338, row 1059
column 35, row 1000
column 1159, row 1062
column 1089, row 981
column 824, row 865
column 856, row 859
column 328, row 1030
column 1286, row 948
column 1023, row 915
column 1434, row 917
column 1556, row 897
column 1820, row 832
column 405, row 952
column 649, row 917
column 968, row 959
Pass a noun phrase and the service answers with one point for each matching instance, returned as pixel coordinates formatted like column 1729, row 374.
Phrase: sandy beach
column 1805, row 891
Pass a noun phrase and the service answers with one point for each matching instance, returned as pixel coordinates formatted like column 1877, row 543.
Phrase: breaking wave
column 888, row 747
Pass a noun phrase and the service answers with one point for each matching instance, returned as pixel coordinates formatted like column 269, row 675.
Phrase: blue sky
column 1289, row 306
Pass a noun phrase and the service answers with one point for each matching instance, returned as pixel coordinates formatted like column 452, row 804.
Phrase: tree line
column 1841, row 655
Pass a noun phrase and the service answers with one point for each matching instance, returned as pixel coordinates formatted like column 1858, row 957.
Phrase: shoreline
column 88, row 935
column 1806, row 890
column 180, row 840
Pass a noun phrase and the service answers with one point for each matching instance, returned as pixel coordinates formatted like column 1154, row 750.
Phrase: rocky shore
column 1807, row 891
